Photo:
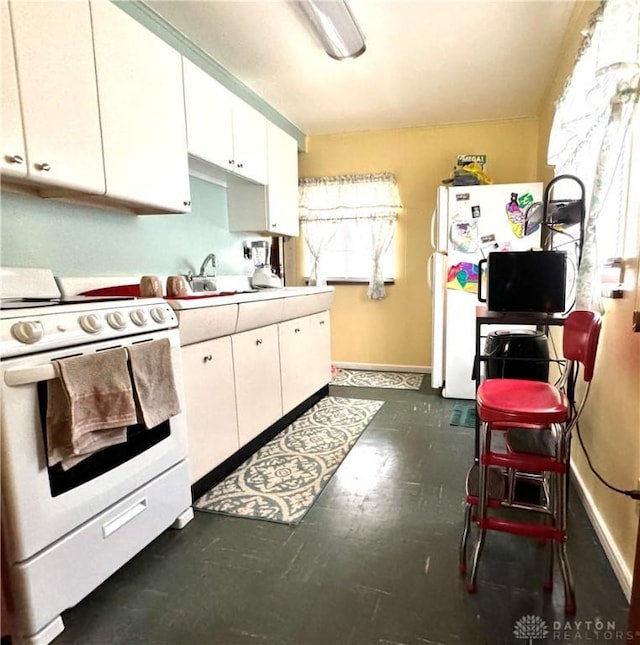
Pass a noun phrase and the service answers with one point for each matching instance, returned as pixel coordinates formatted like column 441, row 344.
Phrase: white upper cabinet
column 249, row 142
column 271, row 209
column 208, row 110
column 141, row 98
column 221, row 128
column 14, row 155
column 282, row 192
column 57, row 92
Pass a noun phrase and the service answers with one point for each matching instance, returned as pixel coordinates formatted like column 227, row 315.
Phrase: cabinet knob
column 231, row 162
column 240, row 165
column 259, row 341
column 187, row 202
column 207, row 358
column 274, row 225
column 296, row 330
column 322, row 322
column 17, row 159
column 45, row 167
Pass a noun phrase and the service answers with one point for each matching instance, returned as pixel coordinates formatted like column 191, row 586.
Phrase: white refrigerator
column 468, row 224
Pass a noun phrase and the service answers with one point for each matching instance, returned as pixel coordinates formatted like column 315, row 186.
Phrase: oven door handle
column 29, row 375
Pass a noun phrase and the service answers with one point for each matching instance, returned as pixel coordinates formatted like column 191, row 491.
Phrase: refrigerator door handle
column 430, row 272
column 434, row 217
column 438, row 293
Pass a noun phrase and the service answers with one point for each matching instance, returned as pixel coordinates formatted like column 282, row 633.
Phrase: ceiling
column 427, row 62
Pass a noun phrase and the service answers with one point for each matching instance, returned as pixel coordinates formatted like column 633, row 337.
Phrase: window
column 592, row 136
column 348, row 225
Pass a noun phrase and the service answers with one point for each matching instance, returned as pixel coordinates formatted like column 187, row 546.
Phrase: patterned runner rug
column 362, row 378
column 281, row 481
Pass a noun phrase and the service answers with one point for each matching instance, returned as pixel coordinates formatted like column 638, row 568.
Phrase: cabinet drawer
column 296, row 306
column 206, row 323
column 259, row 314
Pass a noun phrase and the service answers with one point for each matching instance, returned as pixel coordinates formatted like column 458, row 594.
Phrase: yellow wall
column 397, row 330
column 611, row 421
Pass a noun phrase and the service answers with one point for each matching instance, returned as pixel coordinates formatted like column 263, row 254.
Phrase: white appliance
column 468, row 224
column 65, row 532
column 263, row 276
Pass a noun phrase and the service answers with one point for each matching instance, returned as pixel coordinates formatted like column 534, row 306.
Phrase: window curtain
column 591, row 131
column 372, row 200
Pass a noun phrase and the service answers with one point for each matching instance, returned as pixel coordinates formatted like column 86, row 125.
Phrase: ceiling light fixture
column 335, row 26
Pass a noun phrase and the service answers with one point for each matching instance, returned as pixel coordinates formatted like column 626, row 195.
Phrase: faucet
column 210, row 258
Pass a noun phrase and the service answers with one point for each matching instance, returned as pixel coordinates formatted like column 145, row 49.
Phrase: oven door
column 40, row 506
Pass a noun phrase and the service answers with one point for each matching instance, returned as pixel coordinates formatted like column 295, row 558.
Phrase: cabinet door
column 141, row 98
column 305, row 357
column 257, row 378
column 212, row 424
column 208, row 111
column 57, row 81
column 249, row 142
column 14, row 156
column 282, row 190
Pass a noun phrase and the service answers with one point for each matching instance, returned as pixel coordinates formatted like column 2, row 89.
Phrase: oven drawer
column 64, row 573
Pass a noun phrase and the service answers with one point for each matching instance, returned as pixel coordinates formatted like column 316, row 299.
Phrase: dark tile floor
column 374, row 562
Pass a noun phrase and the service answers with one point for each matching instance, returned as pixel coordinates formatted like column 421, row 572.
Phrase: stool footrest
column 541, row 531
column 524, row 462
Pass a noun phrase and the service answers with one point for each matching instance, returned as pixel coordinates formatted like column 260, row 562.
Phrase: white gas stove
column 65, row 531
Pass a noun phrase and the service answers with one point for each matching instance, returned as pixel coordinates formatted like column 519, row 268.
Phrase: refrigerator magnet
column 464, row 236
column 515, row 216
column 475, row 212
column 463, row 276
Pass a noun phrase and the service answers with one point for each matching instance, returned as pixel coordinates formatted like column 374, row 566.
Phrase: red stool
column 537, row 419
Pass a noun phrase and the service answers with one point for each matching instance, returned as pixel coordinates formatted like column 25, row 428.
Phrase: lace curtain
column 591, row 132
column 373, row 201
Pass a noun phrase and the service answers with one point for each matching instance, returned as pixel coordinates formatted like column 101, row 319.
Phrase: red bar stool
column 537, row 419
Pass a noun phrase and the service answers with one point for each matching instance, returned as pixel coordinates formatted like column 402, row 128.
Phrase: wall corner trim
column 619, row 566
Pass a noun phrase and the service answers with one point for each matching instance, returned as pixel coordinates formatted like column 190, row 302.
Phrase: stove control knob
column 27, row 332
column 91, row 323
column 139, row 317
column 116, row 320
column 159, row 314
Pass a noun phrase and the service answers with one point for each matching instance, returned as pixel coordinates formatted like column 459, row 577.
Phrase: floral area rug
column 282, row 479
column 362, row 378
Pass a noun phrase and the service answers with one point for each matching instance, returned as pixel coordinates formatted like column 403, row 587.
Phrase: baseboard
column 377, row 367
column 620, row 569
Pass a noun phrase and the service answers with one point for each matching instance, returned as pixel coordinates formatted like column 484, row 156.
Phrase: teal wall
column 76, row 241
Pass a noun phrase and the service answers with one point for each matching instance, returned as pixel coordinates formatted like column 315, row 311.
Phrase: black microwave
column 527, row 281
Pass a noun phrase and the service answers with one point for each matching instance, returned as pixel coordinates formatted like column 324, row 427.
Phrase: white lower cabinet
column 257, row 379
column 237, row 386
column 210, row 396
column 305, row 357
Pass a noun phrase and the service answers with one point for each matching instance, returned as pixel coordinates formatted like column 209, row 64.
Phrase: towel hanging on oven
column 89, row 406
